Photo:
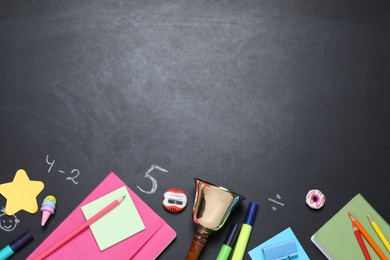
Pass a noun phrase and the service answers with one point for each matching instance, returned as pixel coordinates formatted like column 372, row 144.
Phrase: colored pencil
column 367, row 237
column 81, row 228
column 361, row 242
column 379, row 233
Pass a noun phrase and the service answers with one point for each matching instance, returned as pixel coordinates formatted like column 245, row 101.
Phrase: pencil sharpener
column 175, row 200
column 315, row 199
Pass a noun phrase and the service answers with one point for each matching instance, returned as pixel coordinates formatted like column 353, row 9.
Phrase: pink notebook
column 147, row 244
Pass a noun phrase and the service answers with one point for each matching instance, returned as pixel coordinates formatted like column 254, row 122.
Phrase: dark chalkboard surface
column 266, row 98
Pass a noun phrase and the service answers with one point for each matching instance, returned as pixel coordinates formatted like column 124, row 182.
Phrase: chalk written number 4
column 74, row 173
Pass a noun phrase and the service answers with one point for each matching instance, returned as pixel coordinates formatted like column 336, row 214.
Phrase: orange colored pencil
column 367, row 237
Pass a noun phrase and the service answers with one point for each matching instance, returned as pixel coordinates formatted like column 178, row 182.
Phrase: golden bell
column 213, row 205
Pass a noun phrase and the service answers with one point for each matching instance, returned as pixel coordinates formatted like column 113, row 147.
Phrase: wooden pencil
column 367, row 237
column 81, row 228
column 361, row 242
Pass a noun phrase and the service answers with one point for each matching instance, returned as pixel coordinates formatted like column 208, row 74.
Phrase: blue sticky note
column 282, row 251
column 286, row 235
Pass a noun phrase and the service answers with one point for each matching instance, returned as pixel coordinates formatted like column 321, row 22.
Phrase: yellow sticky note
column 21, row 193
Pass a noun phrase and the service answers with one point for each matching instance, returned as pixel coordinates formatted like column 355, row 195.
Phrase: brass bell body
column 213, row 205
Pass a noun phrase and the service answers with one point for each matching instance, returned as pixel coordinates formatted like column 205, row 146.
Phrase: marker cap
column 21, row 241
column 231, row 235
column 251, row 213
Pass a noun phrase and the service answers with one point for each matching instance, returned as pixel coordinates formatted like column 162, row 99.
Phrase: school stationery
column 361, row 242
column 336, row 239
column 367, row 237
column 118, row 224
column 21, row 193
column 48, row 208
column 16, row 245
column 147, row 244
column 245, row 232
column 379, row 232
column 283, row 241
column 81, row 228
column 227, row 245
column 282, row 251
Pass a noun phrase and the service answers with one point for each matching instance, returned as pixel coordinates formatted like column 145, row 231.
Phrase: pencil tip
column 354, row 227
column 369, row 218
column 351, row 216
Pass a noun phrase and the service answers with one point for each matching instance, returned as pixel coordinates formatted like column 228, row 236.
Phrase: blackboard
column 267, row 98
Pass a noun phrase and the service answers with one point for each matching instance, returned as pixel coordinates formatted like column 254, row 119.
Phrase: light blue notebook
column 258, row 254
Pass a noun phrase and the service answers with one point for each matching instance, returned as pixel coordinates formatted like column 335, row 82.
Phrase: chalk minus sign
column 277, row 202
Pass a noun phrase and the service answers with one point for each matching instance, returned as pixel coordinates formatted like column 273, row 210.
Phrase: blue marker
column 16, row 245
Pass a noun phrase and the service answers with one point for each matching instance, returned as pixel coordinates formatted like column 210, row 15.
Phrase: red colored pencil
column 80, row 228
column 361, row 242
column 367, row 237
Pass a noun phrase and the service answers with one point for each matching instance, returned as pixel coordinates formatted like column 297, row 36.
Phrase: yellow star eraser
column 21, row 193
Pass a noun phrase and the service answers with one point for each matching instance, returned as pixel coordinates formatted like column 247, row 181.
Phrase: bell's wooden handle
column 198, row 242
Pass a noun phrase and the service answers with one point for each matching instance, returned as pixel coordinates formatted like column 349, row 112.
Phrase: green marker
column 245, row 232
column 228, row 243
